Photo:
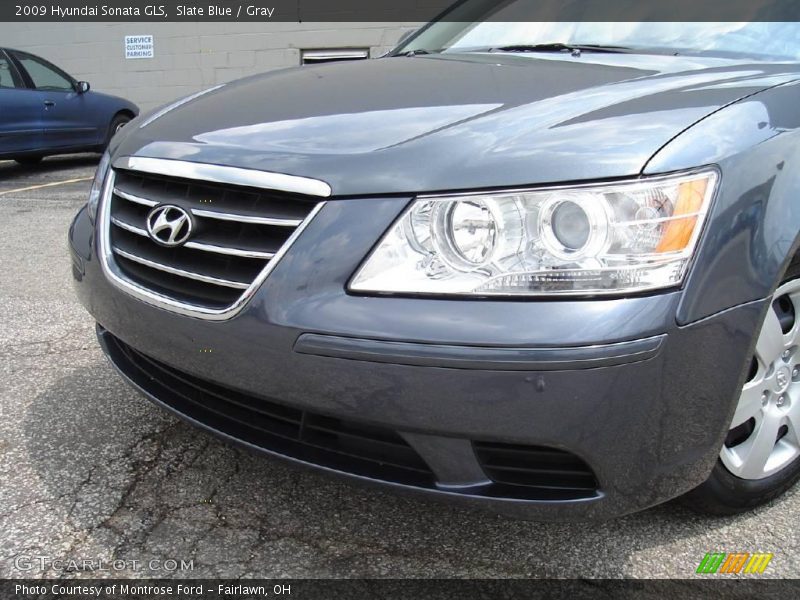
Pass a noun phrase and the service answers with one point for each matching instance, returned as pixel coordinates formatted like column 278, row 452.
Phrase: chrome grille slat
column 215, row 214
column 226, row 175
column 231, row 251
column 134, row 198
column 198, row 245
column 180, row 272
column 222, row 216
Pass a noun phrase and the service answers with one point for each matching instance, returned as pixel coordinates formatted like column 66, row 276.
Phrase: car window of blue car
column 8, row 76
column 44, row 75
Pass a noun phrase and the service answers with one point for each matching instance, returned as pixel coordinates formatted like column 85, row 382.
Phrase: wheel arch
column 109, row 133
column 126, row 112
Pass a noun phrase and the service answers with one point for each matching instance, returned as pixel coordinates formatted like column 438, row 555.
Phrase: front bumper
column 612, row 385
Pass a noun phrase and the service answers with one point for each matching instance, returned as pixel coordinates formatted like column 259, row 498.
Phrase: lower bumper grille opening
column 530, row 470
column 519, row 472
column 346, row 446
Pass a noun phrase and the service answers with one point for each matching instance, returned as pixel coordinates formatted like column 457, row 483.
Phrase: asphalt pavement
column 90, row 471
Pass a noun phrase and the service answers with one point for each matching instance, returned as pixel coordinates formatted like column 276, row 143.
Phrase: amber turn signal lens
column 678, row 232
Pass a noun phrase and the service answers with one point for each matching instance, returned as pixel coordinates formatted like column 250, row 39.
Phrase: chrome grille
column 240, row 232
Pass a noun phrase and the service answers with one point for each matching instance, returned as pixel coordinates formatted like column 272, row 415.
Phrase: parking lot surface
column 90, row 470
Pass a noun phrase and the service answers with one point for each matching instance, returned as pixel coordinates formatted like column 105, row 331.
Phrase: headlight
column 97, row 184
column 593, row 239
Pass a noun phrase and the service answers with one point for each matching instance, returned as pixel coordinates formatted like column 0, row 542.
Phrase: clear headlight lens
column 97, row 183
column 594, row 239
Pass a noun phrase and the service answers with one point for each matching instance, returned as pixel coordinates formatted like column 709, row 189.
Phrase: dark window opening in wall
column 313, row 57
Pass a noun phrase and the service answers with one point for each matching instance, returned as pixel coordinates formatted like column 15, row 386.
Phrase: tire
column 118, row 122
column 29, row 161
column 736, row 485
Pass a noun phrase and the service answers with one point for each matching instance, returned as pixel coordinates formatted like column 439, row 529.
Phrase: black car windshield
column 756, row 40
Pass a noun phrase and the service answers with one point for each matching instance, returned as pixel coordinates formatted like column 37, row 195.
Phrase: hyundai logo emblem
column 169, row 225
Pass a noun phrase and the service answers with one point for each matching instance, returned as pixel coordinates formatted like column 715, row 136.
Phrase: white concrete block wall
column 188, row 56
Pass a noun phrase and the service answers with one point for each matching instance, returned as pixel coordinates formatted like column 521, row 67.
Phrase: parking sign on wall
column 139, row 46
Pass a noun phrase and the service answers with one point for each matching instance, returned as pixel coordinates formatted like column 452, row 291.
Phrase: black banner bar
column 396, row 10
column 714, row 586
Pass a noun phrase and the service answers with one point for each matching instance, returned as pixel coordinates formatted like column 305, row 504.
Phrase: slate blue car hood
column 454, row 122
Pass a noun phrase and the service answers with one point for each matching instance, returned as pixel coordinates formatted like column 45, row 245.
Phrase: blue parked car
column 44, row 111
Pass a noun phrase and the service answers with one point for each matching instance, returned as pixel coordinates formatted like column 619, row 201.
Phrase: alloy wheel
column 765, row 432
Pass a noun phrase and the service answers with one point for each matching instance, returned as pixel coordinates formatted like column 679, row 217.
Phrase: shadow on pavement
column 52, row 164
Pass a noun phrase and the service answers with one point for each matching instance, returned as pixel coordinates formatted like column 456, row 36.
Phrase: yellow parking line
column 44, row 185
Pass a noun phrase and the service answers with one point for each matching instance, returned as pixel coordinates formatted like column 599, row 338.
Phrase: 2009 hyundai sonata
column 545, row 268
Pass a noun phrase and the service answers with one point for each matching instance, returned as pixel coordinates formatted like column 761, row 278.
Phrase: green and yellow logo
column 737, row 562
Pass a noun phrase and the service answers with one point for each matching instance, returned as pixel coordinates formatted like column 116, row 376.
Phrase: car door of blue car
column 21, row 112
column 68, row 116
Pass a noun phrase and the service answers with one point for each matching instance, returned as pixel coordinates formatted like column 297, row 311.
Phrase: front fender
column 752, row 231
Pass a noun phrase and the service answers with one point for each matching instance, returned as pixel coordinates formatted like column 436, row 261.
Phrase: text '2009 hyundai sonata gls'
column 545, row 268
